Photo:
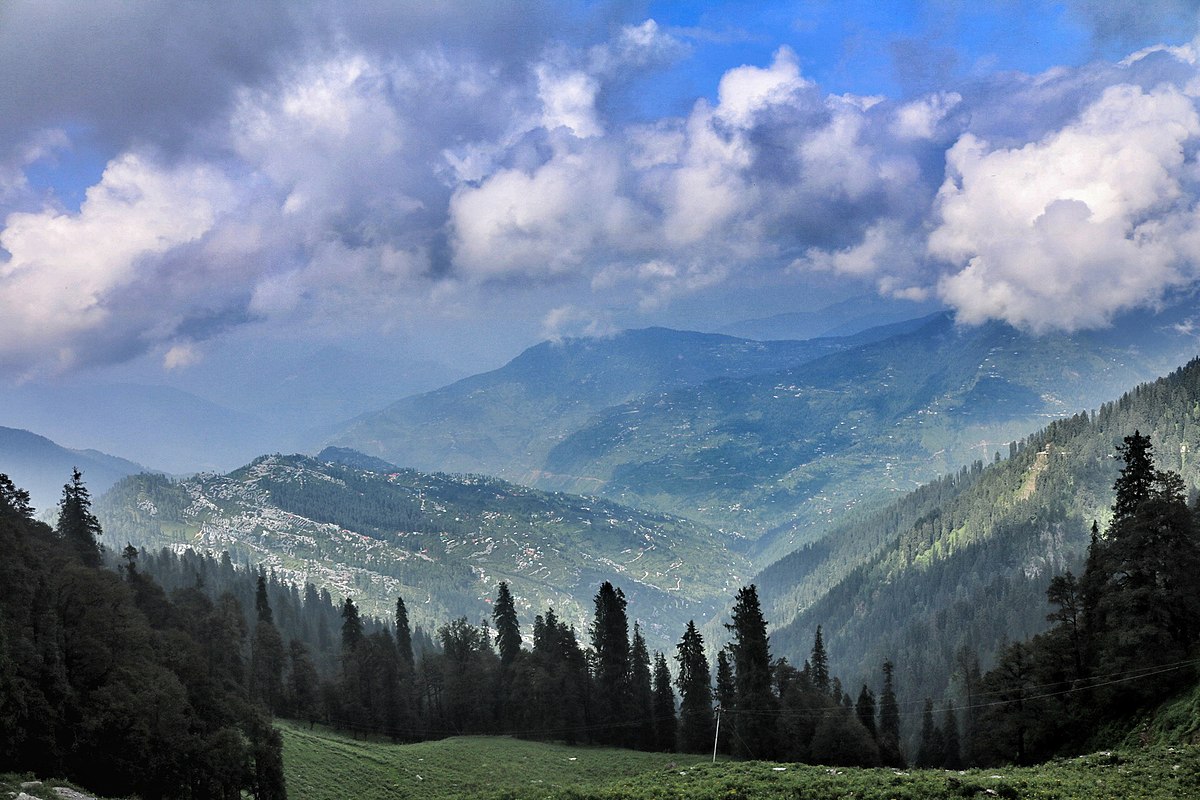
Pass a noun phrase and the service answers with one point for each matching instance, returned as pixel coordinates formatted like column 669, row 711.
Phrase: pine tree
column 755, row 702
column 610, row 642
column 262, row 605
column 864, row 709
column 508, row 629
column 642, row 692
column 695, row 693
column 818, row 664
column 665, row 721
column 726, row 697
column 266, row 654
column 1135, row 484
column 76, row 523
column 889, row 721
column 403, row 638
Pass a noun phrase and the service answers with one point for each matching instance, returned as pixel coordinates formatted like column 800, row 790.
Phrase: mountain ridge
column 42, row 466
column 442, row 541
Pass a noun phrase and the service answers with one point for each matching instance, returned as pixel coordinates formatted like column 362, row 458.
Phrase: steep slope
column 504, row 422
column 42, row 467
column 442, row 542
column 778, row 457
column 966, row 561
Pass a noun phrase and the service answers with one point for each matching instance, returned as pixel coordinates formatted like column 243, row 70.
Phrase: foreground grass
column 325, row 766
column 320, row 765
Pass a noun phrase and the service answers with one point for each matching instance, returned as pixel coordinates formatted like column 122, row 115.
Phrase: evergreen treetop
column 508, row 629
column 76, row 523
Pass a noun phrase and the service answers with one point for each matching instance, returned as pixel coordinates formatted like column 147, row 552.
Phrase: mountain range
column 773, row 441
column 42, row 467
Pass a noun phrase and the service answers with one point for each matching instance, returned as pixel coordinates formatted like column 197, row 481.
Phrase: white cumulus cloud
column 1066, row 231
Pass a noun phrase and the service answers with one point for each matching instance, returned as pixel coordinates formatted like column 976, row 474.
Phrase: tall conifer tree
column 695, row 693
column 403, row 637
column 889, row 721
column 610, row 642
column 726, row 697
column 508, row 629
column 750, row 648
column 665, row 721
column 818, row 666
column 641, row 685
column 76, row 523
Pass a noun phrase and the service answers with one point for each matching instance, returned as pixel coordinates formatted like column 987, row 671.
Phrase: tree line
column 602, row 686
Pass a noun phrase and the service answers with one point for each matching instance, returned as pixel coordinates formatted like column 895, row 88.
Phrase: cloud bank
column 310, row 165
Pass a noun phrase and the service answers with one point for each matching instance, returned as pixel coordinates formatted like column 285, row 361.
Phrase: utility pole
column 716, row 734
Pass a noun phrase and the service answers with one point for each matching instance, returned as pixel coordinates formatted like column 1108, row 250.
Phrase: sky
column 205, row 195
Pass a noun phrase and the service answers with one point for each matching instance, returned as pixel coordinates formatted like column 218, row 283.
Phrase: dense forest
column 600, row 686
column 106, row 680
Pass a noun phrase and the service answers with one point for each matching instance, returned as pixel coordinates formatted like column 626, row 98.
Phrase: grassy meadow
column 321, row 765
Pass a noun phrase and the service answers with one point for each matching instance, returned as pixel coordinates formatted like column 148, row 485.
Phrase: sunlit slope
column 443, row 542
column 966, row 561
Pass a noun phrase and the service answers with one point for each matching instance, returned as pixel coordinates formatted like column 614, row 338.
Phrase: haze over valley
column 469, row 383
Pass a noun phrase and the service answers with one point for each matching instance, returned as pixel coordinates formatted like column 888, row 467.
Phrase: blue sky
column 194, row 194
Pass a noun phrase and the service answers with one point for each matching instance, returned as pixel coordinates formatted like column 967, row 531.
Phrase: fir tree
column 864, row 709
column 508, row 629
column 262, row 605
column 1135, row 484
column 76, row 523
column 642, row 692
column 695, row 693
column 352, row 631
column 750, row 648
column 403, row 637
column 889, row 721
column 665, row 721
column 818, row 665
column 303, row 684
column 726, row 697
column 266, row 655
column 14, row 502
column 932, row 751
column 610, row 643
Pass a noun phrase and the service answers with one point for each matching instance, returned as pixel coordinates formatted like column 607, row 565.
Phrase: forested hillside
column 442, row 541
column 504, row 422
column 962, row 565
column 784, row 456
column 106, row 681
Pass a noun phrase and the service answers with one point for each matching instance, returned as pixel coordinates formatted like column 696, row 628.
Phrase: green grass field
column 321, row 765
